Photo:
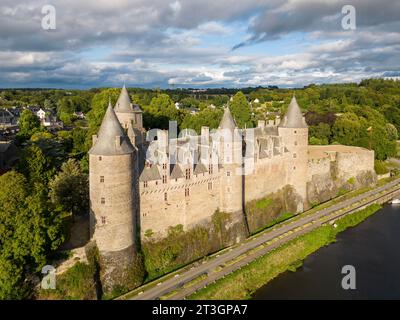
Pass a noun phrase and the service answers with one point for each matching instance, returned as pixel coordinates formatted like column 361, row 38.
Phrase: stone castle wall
column 335, row 169
column 158, row 214
column 270, row 175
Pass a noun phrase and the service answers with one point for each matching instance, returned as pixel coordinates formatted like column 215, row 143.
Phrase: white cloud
column 156, row 42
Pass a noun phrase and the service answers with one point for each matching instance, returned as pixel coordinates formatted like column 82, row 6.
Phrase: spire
column 111, row 138
column 227, row 121
column 293, row 117
column 124, row 104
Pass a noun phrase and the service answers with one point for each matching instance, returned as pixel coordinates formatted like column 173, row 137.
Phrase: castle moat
column 371, row 247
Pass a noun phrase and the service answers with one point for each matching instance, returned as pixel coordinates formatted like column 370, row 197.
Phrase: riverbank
column 242, row 283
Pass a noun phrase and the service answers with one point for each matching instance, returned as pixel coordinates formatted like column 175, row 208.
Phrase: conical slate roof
column 106, row 143
column 293, row 117
column 124, row 104
column 227, row 121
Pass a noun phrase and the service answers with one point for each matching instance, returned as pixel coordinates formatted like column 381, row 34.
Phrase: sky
column 198, row 44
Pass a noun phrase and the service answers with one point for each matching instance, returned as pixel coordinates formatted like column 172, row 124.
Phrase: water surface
column 372, row 247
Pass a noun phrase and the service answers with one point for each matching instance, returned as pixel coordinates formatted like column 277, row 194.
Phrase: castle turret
column 230, row 159
column 128, row 113
column 294, row 132
column 112, row 202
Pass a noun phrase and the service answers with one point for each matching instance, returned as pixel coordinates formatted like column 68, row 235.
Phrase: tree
column 69, row 189
column 189, row 102
column 392, row 114
column 29, row 231
column 207, row 117
column 240, row 110
column 160, row 112
column 321, row 131
column 28, row 124
column 391, row 131
column 35, row 165
column 346, row 129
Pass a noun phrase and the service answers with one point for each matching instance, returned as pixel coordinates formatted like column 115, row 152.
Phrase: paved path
column 281, row 233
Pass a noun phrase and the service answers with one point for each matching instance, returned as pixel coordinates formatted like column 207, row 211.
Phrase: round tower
column 127, row 112
column 112, row 204
column 230, row 155
column 294, row 132
column 130, row 116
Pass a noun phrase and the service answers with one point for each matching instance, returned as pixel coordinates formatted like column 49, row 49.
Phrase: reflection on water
column 371, row 247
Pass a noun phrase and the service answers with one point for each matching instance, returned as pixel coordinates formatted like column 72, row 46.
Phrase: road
column 286, row 232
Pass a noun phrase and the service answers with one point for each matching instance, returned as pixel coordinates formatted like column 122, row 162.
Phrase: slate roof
column 293, row 117
column 200, row 168
column 106, row 141
column 124, row 104
column 150, row 173
column 4, row 146
column 227, row 121
column 176, row 172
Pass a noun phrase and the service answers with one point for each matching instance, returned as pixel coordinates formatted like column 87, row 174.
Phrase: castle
column 142, row 183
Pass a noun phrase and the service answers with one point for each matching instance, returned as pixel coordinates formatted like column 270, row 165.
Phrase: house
column 8, row 155
column 7, row 119
column 41, row 114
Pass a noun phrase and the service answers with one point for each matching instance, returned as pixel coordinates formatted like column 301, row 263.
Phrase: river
column 372, row 247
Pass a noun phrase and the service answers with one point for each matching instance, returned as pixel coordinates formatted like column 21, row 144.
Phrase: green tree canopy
column 69, row 189
column 240, row 110
column 29, row 231
column 28, row 124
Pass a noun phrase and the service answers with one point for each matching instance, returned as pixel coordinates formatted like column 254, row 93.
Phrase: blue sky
column 188, row 43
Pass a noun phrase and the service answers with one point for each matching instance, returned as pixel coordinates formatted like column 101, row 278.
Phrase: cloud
column 196, row 43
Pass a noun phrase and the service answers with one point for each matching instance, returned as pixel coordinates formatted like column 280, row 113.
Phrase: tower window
column 228, row 173
column 294, row 168
column 100, row 158
column 210, row 168
column 210, row 186
column 295, row 131
column 164, row 166
column 103, row 200
column 145, row 184
column 164, row 179
column 187, row 174
column 101, row 179
column 187, row 193
column 103, row 220
column 294, row 155
column 165, row 196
